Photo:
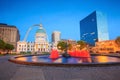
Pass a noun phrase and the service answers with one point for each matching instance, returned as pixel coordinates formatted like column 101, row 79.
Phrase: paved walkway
column 12, row 71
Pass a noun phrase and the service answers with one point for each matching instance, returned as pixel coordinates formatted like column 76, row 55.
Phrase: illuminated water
column 70, row 60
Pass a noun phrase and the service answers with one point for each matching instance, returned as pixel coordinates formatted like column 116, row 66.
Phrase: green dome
column 40, row 31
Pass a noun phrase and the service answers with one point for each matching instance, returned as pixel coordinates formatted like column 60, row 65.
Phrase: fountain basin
column 45, row 60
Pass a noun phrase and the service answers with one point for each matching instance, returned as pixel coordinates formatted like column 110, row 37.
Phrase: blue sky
column 60, row 15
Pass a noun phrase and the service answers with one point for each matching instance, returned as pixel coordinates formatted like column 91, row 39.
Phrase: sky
column 58, row 15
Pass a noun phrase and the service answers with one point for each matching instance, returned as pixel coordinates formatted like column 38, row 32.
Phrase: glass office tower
column 94, row 28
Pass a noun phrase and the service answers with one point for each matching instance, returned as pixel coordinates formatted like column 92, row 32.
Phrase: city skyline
column 60, row 15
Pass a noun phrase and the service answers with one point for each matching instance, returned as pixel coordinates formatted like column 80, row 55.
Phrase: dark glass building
column 94, row 28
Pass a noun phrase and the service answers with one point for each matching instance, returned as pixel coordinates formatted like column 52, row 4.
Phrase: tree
column 2, row 45
column 5, row 46
column 82, row 44
column 117, row 40
column 62, row 45
column 8, row 47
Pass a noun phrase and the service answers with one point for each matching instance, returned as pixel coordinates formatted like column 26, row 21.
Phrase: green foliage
column 62, row 45
column 2, row 44
column 9, row 46
column 46, row 53
column 117, row 40
column 82, row 44
column 25, row 52
column 5, row 46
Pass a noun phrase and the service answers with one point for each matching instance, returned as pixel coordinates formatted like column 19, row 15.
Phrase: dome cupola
column 41, row 30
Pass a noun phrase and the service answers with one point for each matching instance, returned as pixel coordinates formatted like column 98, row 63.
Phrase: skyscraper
column 55, row 36
column 94, row 28
column 9, row 34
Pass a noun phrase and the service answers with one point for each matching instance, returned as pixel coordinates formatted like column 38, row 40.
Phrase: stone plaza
column 12, row 71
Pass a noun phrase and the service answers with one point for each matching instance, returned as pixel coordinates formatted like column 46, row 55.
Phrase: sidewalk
column 12, row 71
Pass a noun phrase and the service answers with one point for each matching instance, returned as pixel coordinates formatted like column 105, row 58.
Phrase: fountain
column 78, row 53
column 54, row 54
column 69, row 58
column 48, row 60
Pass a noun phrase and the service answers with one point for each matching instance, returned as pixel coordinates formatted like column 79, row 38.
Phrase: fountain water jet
column 78, row 53
column 54, row 54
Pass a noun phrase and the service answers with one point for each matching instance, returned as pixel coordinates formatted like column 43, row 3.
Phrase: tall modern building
column 94, row 28
column 9, row 34
column 55, row 36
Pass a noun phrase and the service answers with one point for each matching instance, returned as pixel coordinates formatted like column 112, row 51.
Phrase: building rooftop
column 41, row 31
column 6, row 25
